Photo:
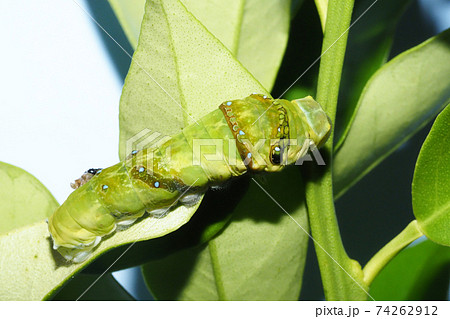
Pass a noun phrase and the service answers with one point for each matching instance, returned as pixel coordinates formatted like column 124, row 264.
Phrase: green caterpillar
column 254, row 134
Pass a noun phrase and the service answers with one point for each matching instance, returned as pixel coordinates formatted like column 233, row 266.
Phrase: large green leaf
column 32, row 270
column 255, row 34
column 419, row 272
column 179, row 73
column 431, row 183
column 398, row 100
column 259, row 256
column 24, row 200
column 368, row 48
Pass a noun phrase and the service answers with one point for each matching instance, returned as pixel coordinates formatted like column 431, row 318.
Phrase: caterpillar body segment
column 254, row 134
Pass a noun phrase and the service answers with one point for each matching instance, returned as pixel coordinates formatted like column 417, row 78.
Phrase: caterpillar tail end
column 72, row 252
column 77, row 254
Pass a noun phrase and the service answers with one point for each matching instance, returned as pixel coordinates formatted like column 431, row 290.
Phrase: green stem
column 385, row 254
column 342, row 277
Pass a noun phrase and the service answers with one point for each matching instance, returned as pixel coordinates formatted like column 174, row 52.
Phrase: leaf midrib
column 212, row 249
column 175, row 60
column 237, row 37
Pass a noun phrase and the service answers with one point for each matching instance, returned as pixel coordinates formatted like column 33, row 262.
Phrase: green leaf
column 368, row 48
column 24, row 199
column 27, row 256
column 93, row 287
column 398, row 101
column 259, row 256
column 255, row 34
column 171, row 81
column 431, row 183
column 420, row 272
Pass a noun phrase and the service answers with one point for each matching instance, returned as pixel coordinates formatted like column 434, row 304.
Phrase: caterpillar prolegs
column 254, row 134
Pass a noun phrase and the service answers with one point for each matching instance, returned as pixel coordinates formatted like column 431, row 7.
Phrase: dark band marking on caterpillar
column 256, row 134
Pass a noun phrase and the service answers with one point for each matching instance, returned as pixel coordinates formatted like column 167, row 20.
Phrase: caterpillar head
column 315, row 120
column 279, row 132
column 309, row 126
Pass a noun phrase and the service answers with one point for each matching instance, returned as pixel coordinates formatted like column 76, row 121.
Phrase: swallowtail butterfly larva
column 254, row 134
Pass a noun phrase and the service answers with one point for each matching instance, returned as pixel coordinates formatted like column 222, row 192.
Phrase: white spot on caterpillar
column 75, row 255
column 190, row 200
column 81, row 256
column 158, row 212
column 124, row 224
column 97, row 241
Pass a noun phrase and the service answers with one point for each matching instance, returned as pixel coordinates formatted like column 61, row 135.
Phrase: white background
column 59, row 93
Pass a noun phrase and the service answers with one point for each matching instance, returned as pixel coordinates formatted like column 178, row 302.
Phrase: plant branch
column 342, row 277
column 385, row 254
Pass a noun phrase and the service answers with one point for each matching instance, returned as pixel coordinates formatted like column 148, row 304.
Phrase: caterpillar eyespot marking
column 267, row 134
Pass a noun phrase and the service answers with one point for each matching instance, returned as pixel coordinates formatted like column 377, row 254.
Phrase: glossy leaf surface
column 431, row 183
column 259, row 256
column 399, row 99
column 420, row 272
column 24, row 199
